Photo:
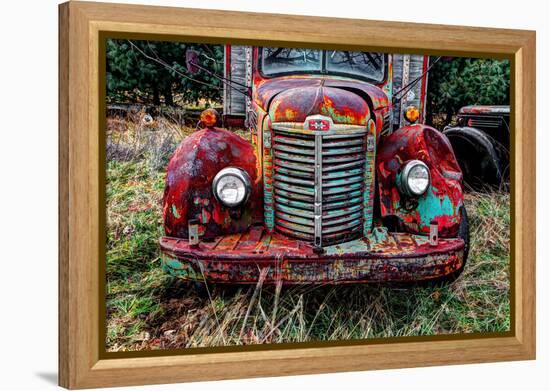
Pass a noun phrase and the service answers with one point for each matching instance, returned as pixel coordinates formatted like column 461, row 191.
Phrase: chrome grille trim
column 293, row 165
column 296, row 158
column 294, row 196
column 342, row 151
column 347, row 158
column 354, row 223
column 342, row 204
column 318, row 201
column 295, row 204
column 345, row 190
column 297, row 220
column 318, row 182
column 345, row 196
column 343, row 219
column 294, row 141
column 285, row 178
column 336, row 213
column 342, row 173
column 294, row 189
column 295, row 211
column 294, row 150
column 298, row 173
column 358, row 163
column 343, row 181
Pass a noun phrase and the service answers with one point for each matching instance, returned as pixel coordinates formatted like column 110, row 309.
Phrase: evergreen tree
column 155, row 72
column 456, row 82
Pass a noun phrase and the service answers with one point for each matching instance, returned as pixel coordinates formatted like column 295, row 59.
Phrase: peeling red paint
column 188, row 193
column 240, row 258
column 267, row 89
column 296, row 104
column 432, row 147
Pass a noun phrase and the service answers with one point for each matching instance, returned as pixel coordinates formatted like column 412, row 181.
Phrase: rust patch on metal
column 188, row 193
column 296, row 104
column 380, row 256
column 444, row 197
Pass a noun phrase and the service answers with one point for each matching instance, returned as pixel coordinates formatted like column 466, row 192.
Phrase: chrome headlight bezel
column 403, row 182
column 239, row 174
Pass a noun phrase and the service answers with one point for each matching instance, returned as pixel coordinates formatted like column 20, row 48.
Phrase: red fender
column 444, row 197
column 188, row 192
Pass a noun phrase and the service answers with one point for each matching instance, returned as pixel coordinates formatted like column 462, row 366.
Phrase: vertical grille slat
column 318, row 183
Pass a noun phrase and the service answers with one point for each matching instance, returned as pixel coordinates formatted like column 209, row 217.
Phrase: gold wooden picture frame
column 83, row 26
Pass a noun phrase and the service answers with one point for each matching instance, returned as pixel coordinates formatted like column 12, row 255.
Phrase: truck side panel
column 406, row 68
column 235, row 62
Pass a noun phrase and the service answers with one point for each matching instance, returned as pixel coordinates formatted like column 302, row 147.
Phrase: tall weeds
column 146, row 309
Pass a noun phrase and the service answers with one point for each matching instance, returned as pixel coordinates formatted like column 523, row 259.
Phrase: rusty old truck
column 340, row 183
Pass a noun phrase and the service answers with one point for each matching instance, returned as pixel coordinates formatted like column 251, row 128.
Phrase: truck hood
column 292, row 99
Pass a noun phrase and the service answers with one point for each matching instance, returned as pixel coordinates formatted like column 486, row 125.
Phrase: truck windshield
column 367, row 64
column 284, row 61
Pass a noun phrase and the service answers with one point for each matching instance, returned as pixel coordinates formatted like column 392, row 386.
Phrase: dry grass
column 147, row 309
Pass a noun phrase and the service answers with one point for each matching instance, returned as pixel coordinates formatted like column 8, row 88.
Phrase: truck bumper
column 256, row 254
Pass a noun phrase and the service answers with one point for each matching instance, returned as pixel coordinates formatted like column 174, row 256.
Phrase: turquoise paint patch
column 176, row 268
column 430, row 206
column 173, row 263
column 175, row 212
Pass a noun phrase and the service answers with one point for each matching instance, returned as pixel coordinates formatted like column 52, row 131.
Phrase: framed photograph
column 247, row 195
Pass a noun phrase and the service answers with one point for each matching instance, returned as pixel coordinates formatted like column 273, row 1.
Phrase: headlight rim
column 403, row 183
column 240, row 174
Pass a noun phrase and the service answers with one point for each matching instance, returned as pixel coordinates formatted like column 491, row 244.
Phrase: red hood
column 294, row 98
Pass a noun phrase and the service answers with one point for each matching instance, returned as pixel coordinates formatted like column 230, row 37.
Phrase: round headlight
column 415, row 178
column 231, row 186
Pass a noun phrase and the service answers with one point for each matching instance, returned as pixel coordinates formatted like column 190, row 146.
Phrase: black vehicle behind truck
column 481, row 142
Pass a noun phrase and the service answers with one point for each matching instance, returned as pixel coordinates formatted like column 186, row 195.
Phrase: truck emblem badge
column 319, row 124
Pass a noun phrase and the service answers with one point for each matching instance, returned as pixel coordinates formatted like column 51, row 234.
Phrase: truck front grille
column 318, row 184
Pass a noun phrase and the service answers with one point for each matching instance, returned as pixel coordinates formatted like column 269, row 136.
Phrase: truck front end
column 326, row 193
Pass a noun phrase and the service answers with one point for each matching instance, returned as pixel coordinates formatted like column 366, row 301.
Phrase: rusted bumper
column 242, row 258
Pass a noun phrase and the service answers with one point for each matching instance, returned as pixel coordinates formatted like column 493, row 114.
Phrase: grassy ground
column 147, row 309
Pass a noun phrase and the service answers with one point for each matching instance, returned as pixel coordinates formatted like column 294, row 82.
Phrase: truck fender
column 188, row 193
column 442, row 200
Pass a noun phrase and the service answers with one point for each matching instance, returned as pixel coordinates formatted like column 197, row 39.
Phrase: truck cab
column 341, row 182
